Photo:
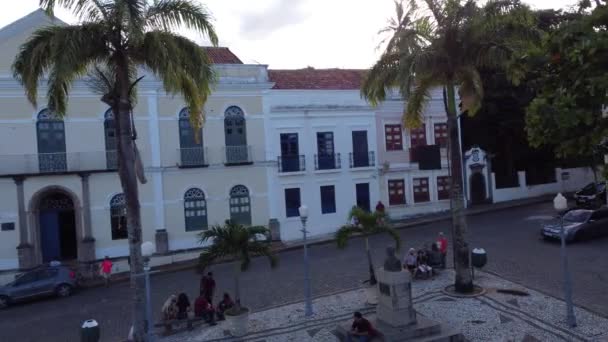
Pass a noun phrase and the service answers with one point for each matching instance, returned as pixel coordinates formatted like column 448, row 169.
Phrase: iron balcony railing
column 193, row 157
column 365, row 159
column 328, row 161
column 292, row 163
column 58, row 162
column 240, row 154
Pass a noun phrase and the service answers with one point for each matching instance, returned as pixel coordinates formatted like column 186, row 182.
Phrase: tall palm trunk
column 237, row 289
column 463, row 281
column 128, row 181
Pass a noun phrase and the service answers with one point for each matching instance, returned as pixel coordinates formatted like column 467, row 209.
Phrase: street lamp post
column 561, row 204
column 147, row 249
column 308, row 297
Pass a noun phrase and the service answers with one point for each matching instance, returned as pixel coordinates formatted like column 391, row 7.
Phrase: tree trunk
column 237, row 287
column 463, row 282
column 372, row 274
column 128, row 181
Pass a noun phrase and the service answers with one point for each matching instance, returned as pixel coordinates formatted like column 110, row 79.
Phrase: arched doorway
column 478, row 188
column 57, row 223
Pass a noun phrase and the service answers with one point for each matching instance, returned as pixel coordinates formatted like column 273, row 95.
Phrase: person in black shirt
column 183, row 306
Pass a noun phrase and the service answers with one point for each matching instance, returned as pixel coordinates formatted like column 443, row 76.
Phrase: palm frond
column 345, row 233
column 210, row 255
column 392, row 232
column 263, row 249
column 65, row 53
column 470, row 89
column 86, row 10
column 174, row 14
column 382, row 76
column 183, row 67
column 418, row 99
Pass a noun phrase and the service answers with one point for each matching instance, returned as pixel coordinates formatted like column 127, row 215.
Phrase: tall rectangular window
column 396, row 192
column 292, row 202
column 418, row 136
column 441, row 134
column 443, row 187
column 393, row 138
column 328, row 199
column 421, row 190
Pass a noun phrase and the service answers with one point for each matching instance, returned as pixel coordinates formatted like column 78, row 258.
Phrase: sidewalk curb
column 191, row 264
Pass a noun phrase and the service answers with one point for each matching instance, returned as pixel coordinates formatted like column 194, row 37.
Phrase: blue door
column 50, row 235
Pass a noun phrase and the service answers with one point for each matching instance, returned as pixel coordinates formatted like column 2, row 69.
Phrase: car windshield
column 590, row 189
column 577, row 216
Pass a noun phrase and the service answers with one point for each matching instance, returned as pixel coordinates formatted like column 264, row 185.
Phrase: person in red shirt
column 361, row 330
column 106, row 270
column 208, row 287
column 443, row 248
column 203, row 309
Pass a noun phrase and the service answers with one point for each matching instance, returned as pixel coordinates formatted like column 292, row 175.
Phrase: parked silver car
column 42, row 281
column 579, row 224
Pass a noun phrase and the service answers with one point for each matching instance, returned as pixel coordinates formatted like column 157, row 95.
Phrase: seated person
column 423, row 269
column 183, row 306
column 411, row 261
column 361, row 330
column 204, row 309
column 169, row 312
column 435, row 258
column 224, row 305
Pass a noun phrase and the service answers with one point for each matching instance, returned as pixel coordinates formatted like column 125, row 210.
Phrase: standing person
column 443, row 248
column 361, row 330
column 381, row 213
column 208, row 287
column 411, row 261
column 105, row 269
column 183, row 306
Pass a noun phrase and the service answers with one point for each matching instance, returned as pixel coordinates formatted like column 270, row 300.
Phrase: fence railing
column 328, row 161
column 237, row 155
column 192, row 156
column 292, row 163
column 362, row 159
column 58, row 162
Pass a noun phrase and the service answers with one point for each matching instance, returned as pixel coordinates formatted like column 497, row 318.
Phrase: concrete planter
column 371, row 293
column 238, row 323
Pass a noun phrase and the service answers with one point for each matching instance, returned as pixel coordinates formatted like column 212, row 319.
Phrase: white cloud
column 290, row 33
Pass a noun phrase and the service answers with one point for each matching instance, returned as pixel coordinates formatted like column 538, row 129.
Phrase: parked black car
column 593, row 195
column 42, row 281
column 579, row 224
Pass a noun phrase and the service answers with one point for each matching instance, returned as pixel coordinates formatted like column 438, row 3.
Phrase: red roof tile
column 222, row 55
column 311, row 78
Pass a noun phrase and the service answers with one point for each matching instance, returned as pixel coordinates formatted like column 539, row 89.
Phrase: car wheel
column 64, row 290
column 4, row 302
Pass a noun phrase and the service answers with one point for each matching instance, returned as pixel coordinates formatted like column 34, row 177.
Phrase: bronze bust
column 391, row 263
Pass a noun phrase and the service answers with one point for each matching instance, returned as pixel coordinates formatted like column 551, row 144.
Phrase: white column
column 157, row 176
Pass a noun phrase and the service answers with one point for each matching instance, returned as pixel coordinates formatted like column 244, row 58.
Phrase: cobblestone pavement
column 511, row 238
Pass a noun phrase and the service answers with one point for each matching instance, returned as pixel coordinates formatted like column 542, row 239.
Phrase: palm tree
column 367, row 224
column 445, row 47
column 120, row 36
column 235, row 241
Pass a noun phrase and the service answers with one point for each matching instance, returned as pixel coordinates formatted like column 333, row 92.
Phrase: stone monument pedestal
column 395, row 319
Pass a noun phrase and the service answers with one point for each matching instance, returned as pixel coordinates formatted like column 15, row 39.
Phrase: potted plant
column 366, row 223
column 240, row 243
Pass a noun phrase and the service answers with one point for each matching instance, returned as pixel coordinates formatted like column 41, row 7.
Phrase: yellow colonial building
column 60, row 193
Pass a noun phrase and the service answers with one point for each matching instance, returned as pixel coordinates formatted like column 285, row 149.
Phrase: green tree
column 446, row 49
column 235, row 241
column 568, row 72
column 119, row 36
column 367, row 224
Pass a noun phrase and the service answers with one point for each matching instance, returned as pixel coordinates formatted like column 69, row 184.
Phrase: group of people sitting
column 179, row 307
column 424, row 262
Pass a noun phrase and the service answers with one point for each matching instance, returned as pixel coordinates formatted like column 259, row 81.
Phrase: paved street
column 510, row 237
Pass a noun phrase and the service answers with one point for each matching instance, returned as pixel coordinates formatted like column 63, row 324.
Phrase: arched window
column 195, row 209
column 240, row 205
column 109, row 128
column 235, row 132
column 50, row 133
column 191, row 151
column 118, row 215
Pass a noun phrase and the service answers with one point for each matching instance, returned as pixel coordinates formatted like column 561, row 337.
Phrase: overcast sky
column 291, row 33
